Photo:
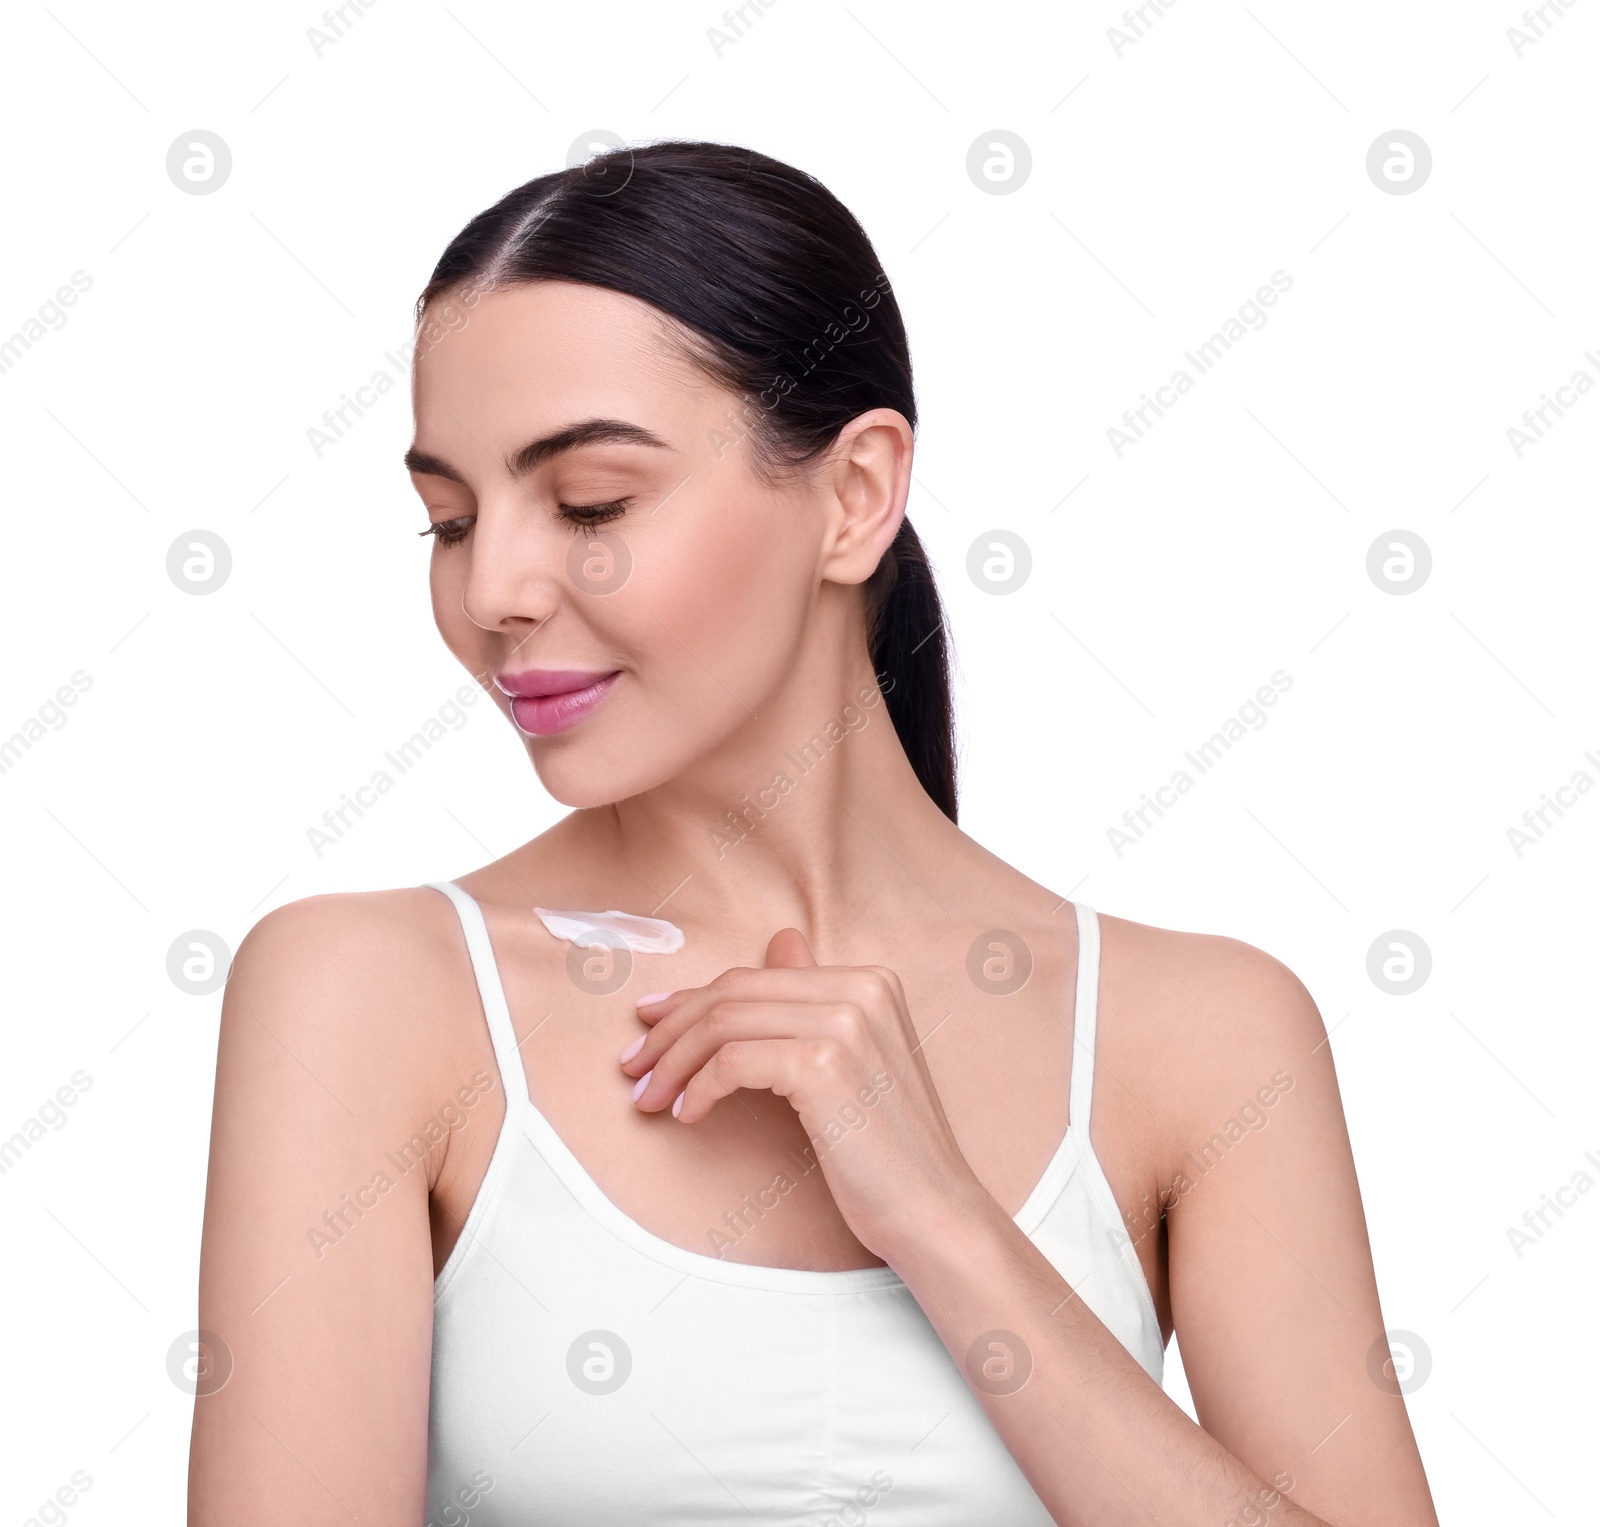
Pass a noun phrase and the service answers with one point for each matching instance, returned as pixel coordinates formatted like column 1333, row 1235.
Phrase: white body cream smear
column 590, row 930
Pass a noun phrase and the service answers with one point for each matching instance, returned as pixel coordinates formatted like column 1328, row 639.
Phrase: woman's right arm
column 316, row 1265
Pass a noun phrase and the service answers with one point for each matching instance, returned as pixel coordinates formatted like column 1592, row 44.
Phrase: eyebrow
column 537, row 452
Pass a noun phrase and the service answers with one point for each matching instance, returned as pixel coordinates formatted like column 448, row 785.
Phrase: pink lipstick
column 545, row 701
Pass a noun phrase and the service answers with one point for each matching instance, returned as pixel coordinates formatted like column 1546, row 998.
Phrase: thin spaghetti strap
column 1084, row 1015
column 490, row 993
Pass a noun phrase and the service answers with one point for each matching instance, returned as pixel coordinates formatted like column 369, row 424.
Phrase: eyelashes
column 579, row 516
column 448, row 532
column 582, row 516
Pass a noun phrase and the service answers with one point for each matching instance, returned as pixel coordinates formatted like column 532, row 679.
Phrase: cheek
column 446, row 581
column 732, row 591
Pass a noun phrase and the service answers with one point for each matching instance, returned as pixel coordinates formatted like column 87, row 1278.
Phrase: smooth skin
column 825, row 945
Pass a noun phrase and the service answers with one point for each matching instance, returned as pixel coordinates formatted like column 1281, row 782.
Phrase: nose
column 513, row 578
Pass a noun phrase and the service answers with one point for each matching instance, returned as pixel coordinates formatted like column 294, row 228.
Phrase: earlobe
column 870, row 481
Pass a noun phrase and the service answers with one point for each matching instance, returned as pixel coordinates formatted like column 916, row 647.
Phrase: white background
column 1167, row 184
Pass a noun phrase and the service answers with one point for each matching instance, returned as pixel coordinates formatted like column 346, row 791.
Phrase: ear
column 867, row 481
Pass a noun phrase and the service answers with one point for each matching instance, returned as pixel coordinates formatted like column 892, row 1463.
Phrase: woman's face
column 607, row 561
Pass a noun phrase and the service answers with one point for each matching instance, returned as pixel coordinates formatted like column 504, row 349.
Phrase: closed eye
column 449, row 532
column 581, row 516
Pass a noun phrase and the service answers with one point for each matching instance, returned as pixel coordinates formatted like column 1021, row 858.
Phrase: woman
column 834, row 1239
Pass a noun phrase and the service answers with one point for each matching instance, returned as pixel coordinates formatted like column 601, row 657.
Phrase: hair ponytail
column 910, row 646
column 781, row 297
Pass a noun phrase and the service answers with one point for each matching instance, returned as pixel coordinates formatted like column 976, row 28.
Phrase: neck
column 810, row 816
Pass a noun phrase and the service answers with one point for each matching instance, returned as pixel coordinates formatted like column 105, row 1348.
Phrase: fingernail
column 641, row 1084
column 677, row 1103
column 633, row 1049
column 655, row 996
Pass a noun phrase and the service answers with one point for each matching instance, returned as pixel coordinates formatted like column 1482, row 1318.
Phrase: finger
column 872, row 987
column 812, row 983
column 669, row 1063
column 655, row 1005
column 788, row 948
column 782, row 1066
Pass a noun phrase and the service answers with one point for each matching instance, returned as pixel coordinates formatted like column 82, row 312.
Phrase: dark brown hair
column 783, row 302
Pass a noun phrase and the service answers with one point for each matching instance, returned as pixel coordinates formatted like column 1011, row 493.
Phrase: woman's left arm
column 1273, row 1292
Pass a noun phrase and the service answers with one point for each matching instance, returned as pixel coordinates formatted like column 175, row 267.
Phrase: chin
column 580, row 779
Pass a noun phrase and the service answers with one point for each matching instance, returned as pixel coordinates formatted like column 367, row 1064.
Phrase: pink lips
column 545, row 701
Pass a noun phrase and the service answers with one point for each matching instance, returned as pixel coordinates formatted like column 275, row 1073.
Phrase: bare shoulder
column 1199, row 1023
column 364, row 984
column 321, row 935
column 343, row 1024
column 1269, row 1273
column 1188, row 978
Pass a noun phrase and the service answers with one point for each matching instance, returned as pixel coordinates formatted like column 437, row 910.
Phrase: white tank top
column 587, row 1373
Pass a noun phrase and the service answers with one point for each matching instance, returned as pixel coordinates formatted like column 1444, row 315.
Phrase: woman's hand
column 839, row 1044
